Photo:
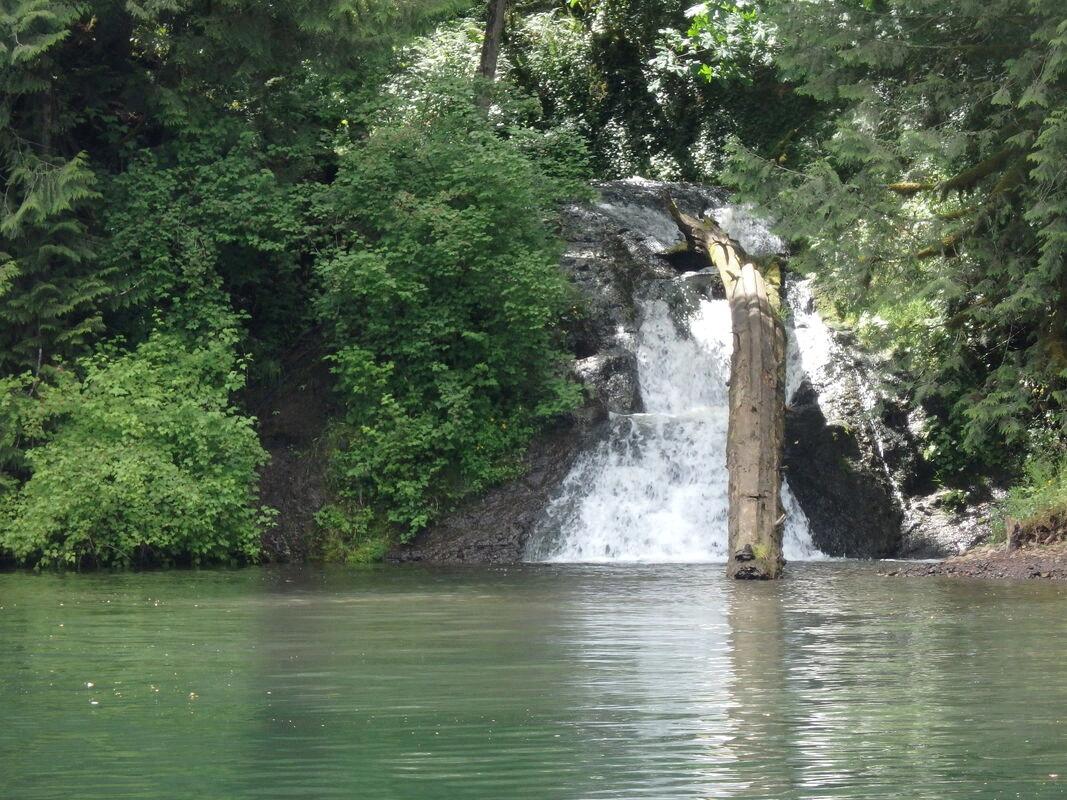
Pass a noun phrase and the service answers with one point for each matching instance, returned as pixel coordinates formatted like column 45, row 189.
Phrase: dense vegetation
column 141, row 458
column 452, row 361
column 189, row 188
column 932, row 198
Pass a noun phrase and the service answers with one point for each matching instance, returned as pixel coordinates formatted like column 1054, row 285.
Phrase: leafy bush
column 200, row 227
column 439, row 81
column 145, row 462
column 350, row 535
column 1041, row 493
column 440, row 296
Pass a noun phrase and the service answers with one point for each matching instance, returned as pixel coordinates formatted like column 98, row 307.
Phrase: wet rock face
column 837, row 481
column 615, row 254
column 837, row 449
column 853, row 459
column 610, row 378
column 494, row 528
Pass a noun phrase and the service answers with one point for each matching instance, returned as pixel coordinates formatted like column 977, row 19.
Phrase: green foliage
column 589, row 70
column 654, row 88
column 953, row 500
column 204, row 227
column 146, row 463
column 351, row 535
column 157, row 158
column 934, row 206
column 49, row 292
column 29, row 29
column 731, row 40
column 1042, row 491
column 200, row 119
column 21, row 423
column 438, row 79
column 435, row 232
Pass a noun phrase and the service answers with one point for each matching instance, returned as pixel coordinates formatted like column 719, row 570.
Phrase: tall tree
column 494, row 34
column 49, row 292
column 937, row 199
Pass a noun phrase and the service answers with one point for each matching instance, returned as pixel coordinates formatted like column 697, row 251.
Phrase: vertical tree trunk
column 494, row 32
column 757, row 402
column 757, row 418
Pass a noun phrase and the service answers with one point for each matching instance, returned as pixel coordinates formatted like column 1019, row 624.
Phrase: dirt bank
column 1048, row 561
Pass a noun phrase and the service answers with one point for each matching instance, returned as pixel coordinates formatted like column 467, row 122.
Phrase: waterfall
column 655, row 490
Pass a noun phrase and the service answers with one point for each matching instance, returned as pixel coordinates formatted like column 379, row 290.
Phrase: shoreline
column 1028, row 562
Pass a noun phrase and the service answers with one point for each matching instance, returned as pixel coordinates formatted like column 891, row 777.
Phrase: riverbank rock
column 1035, row 549
column 995, row 562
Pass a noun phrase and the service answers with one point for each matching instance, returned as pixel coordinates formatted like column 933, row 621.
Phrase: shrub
column 147, row 463
column 1041, row 493
column 441, row 294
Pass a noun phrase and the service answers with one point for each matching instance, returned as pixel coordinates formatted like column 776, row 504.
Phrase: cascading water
column 656, row 489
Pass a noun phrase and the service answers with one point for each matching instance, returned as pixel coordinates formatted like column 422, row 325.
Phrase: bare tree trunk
column 757, row 402
column 494, row 32
column 757, row 418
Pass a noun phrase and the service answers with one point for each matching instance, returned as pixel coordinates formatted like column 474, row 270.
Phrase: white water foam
column 656, row 489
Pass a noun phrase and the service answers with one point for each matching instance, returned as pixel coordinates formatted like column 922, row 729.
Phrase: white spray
column 656, row 489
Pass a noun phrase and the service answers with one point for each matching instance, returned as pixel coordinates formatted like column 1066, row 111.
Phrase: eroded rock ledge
column 1037, row 549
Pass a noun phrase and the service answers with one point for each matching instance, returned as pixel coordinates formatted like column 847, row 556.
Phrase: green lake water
column 533, row 682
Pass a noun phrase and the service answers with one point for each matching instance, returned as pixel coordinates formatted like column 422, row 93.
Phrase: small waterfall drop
column 655, row 490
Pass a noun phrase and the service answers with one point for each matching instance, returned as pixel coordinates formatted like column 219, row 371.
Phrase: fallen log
column 757, row 401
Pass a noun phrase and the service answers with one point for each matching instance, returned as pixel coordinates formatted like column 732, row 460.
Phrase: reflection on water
column 539, row 682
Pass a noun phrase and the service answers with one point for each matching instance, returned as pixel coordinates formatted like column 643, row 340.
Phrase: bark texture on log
column 757, row 421
column 494, row 32
column 757, row 402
